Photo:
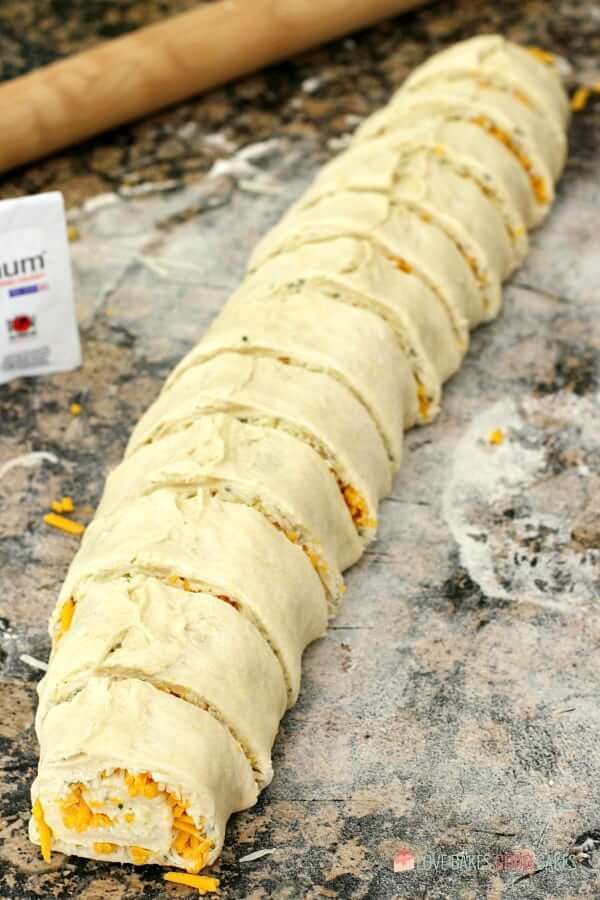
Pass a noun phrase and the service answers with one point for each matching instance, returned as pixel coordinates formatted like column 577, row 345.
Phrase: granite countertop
column 452, row 708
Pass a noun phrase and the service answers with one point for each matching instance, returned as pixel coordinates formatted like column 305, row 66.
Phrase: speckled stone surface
column 452, row 708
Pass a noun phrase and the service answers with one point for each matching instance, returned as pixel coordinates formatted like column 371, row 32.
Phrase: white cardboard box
column 38, row 327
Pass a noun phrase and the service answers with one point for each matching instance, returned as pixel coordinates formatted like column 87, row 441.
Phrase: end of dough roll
column 129, row 773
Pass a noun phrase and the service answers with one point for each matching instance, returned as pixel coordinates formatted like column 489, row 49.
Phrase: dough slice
column 532, row 78
column 268, row 392
column 480, row 111
column 204, row 545
column 194, row 646
column 354, row 271
column 264, row 468
column 550, row 146
column 471, row 148
column 316, row 332
column 413, row 243
column 428, row 184
column 129, row 773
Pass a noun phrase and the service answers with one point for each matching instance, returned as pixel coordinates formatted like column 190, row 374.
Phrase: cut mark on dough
column 365, row 522
column 470, row 252
column 407, row 336
column 293, row 531
column 197, row 586
column 405, row 263
column 126, row 673
column 537, row 181
column 486, row 81
column 288, row 359
column 515, row 508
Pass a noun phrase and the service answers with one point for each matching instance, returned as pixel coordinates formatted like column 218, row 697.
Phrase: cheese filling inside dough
column 117, row 800
column 538, row 183
column 119, row 804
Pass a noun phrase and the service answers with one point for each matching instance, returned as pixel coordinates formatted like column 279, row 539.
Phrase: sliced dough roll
column 129, row 773
column 471, row 148
column 195, row 646
column 308, row 329
column 353, row 271
column 428, row 184
column 526, row 74
column 413, row 243
column 204, row 545
column 266, row 391
column 480, row 111
column 265, row 468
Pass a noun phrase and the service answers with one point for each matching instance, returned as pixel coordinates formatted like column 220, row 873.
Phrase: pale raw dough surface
column 259, row 466
column 351, row 270
column 352, row 345
column 292, row 398
column 180, row 641
column 225, row 547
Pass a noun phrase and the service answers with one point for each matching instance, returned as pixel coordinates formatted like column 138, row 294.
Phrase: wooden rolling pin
column 134, row 75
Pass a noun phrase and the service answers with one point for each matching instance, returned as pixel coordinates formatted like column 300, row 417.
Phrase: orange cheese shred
column 580, row 98
column 44, row 831
column 202, row 883
column 537, row 182
column 104, row 847
column 139, row 855
column 403, row 265
column 65, row 616
column 543, row 55
column 63, row 524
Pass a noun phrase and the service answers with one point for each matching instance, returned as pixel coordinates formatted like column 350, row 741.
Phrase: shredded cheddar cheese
column 543, row 55
column 403, row 265
column 180, row 582
column 104, row 847
column 496, row 437
column 202, row 883
column 44, row 831
column 313, row 556
column 142, row 784
column 65, row 617
column 64, row 505
column 424, row 405
column 78, row 815
column 139, row 855
column 517, row 93
column 580, row 98
column 56, row 521
column 189, row 840
column 357, row 507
